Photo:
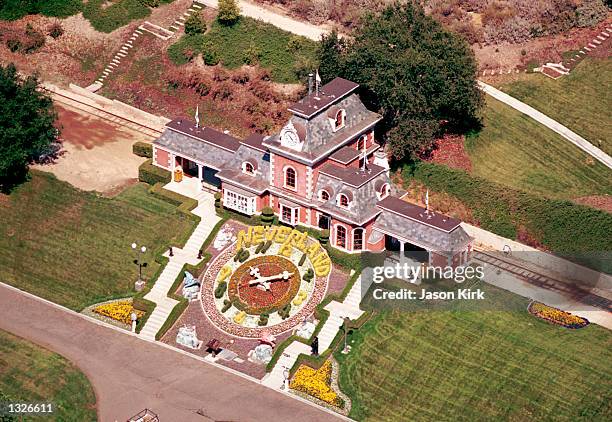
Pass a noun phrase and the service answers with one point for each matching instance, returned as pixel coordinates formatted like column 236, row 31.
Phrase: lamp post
column 141, row 264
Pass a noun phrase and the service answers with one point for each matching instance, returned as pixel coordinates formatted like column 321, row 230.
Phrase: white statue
column 306, row 329
column 261, row 354
column 187, row 337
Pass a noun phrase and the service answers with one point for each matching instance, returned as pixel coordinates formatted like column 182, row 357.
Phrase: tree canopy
column 419, row 76
column 27, row 133
column 229, row 12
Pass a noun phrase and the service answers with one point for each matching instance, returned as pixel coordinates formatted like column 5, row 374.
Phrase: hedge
column 576, row 232
column 143, row 149
column 148, row 173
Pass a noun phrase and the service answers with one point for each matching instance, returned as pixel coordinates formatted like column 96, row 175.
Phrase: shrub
column 16, row 9
column 284, row 312
column 209, row 55
column 324, row 237
column 226, row 305
column 590, row 13
column 142, row 149
column 309, row 275
column 229, row 12
column 195, row 25
column 220, row 290
column 263, row 320
column 302, row 260
column 56, row 30
column 149, row 3
column 148, row 173
column 118, row 14
column 267, row 216
column 218, row 200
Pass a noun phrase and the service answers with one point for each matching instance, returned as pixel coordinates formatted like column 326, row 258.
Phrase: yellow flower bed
column 120, row 311
column 557, row 316
column 316, row 383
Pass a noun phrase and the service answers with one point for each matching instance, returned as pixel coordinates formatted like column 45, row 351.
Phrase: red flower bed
column 255, row 300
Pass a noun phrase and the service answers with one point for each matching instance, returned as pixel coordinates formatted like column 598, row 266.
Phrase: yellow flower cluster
column 556, row 315
column 316, row 383
column 120, row 311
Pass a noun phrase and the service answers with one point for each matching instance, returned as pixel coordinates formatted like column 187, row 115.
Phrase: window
column 384, row 191
column 339, row 119
column 341, row 237
column 288, row 215
column 323, row 195
column 357, row 239
column 290, row 179
column 240, row 203
column 343, row 201
column 361, row 143
column 248, row 168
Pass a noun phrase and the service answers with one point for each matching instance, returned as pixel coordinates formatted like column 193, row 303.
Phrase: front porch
column 193, row 174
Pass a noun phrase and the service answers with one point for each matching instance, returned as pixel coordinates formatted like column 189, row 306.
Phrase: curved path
column 539, row 117
column 308, row 30
column 129, row 374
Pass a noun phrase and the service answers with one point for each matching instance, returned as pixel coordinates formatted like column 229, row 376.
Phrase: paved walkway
column 337, row 312
column 286, row 23
column 187, row 255
column 129, row 374
column 574, row 138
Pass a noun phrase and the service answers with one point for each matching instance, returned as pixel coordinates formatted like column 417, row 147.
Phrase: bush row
column 150, row 174
column 574, row 231
column 143, row 149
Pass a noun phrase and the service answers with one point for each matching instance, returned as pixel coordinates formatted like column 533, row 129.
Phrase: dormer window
column 339, row 121
column 290, row 178
column 323, row 195
column 384, row 191
column 361, row 142
column 343, row 201
column 248, row 168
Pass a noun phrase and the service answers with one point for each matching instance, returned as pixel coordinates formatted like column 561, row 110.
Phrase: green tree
column 229, row 12
column 194, row 25
column 419, row 76
column 27, row 133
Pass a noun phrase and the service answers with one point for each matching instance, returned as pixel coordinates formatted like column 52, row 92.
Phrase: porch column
column 402, row 255
column 173, row 158
column 199, row 177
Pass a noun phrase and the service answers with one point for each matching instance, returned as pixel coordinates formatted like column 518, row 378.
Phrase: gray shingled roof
column 426, row 236
column 232, row 169
column 190, row 147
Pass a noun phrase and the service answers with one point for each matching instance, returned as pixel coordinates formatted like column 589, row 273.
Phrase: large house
column 324, row 169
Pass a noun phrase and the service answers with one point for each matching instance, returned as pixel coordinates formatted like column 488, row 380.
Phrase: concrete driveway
column 98, row 153
column 129, row 374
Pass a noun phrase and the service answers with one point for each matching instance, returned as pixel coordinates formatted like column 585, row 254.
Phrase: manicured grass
column 514, row 150
column 29, row 373
column 73, row 247
column 477, row 366
column 580, row 100
column 248, row 42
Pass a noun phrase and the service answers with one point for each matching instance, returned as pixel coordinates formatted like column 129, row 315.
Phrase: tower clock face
column 289, row 137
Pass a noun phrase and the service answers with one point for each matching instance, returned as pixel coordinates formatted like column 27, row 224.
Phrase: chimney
column 310, row 83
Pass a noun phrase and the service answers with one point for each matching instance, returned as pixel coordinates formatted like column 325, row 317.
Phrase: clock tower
column 289, row 137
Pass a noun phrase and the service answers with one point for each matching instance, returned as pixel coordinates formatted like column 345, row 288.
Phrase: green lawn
column 477, row 366
column 249, row 42
column 16, row 9
column 516, row 151
column 581, row 100
column 73, row 247
column 29, row 373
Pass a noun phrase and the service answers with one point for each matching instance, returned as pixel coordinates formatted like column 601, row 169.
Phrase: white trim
column 244, row 170
column 335, row 237
column 295, row 214
column 339, row 202
column 239, row 202
column 309, row 184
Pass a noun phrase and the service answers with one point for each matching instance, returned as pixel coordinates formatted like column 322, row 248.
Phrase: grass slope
column 73, row 247
column 580, row 101
column 249, row 41
column 477, row 366
column 514, row 150
column 16, row 9
column 29, row 373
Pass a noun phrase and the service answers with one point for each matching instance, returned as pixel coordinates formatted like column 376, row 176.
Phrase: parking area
column 98, row 153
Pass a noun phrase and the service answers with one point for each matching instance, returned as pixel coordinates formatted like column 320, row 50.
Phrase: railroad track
column 73, row 103
column 530, row 274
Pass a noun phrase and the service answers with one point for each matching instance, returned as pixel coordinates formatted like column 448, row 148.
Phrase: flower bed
column 316, row 383
column 119, row 311
column 256, row 301
column 557, row 316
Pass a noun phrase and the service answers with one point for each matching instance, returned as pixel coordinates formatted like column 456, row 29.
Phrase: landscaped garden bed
column 556, row 316
column 321, row 386
column 116, row 312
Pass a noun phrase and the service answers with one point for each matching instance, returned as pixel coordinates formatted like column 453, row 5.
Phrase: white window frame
column 348, row 201
column 337, row 128
column 346, row 237
column 244, row 168
column 321, row 195
column 241, row 203
column 294, row 214
column 362, row 230
column 380, row 195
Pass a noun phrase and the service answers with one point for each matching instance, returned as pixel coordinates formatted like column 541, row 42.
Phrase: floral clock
column 247, row 292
